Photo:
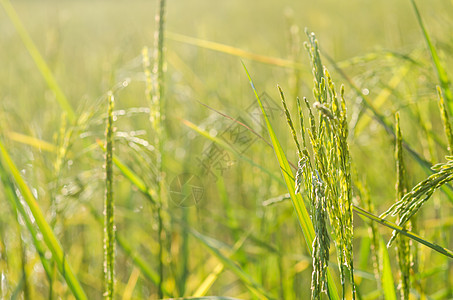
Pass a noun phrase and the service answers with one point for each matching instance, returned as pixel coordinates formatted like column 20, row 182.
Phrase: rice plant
column 109, row 207
column 329, row 178
column 218, row 185
column 403, row 246
column 157, row 115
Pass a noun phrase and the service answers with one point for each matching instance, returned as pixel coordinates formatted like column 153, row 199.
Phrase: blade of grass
column 31, row 141
column 207, row 298
column 405, row 232
column 17, row 205
column 445, row 120
column 233, row 51
column 131, row 284
column 426, row 165
column 138, row 261
column 441, row 73
column 46, row 231
column 38, row 59
column 403, row 245
column 375, row 56
column 253, row 286
column 388, row 283
column 364, row 255
column 16, row 293
column 245, row 126
column 229, row 148
column 236, row 121
column 204, row 287
column 155, row 93
column 23, row 257
column 298, row 203
column 149, row 193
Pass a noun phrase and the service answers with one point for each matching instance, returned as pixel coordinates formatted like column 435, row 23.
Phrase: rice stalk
column 331, row 165
column 332, row 159
column 137, row 260
column 155, row 96
column 401, row 230
column 302, row 126
column 403, row 247
column 409, row 205
column 109, row 207
column 321, row 241
column 157, row 75
column 445, row 120
column 297, row 201
column 379, row 117
column 149, row 192
column 290, row 122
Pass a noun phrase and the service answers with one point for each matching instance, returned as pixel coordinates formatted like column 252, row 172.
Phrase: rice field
column 226, row 149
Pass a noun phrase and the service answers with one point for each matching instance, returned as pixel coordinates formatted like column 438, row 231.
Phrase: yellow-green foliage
column 184, row 109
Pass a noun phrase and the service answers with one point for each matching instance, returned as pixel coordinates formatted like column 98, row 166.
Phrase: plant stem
column 109, row 207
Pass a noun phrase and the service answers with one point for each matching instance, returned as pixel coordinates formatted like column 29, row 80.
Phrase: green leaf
column 379, row 117
column 441, row 73
column 38, row 59
column 207, row 298
column 46, row 231
column 204, row 287
column 388, row 284
column 405, row 232
column 214, row 247
column 17, row 205
column 149, row 193
column 138, row 261
column 225, row 145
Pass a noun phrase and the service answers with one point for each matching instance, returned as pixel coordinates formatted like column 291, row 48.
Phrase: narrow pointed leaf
column 248, row 281
column 46, row 231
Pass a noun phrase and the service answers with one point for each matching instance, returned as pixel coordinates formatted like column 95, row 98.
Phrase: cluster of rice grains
column 324, row 171
column 154, row 93
column 408, row 203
